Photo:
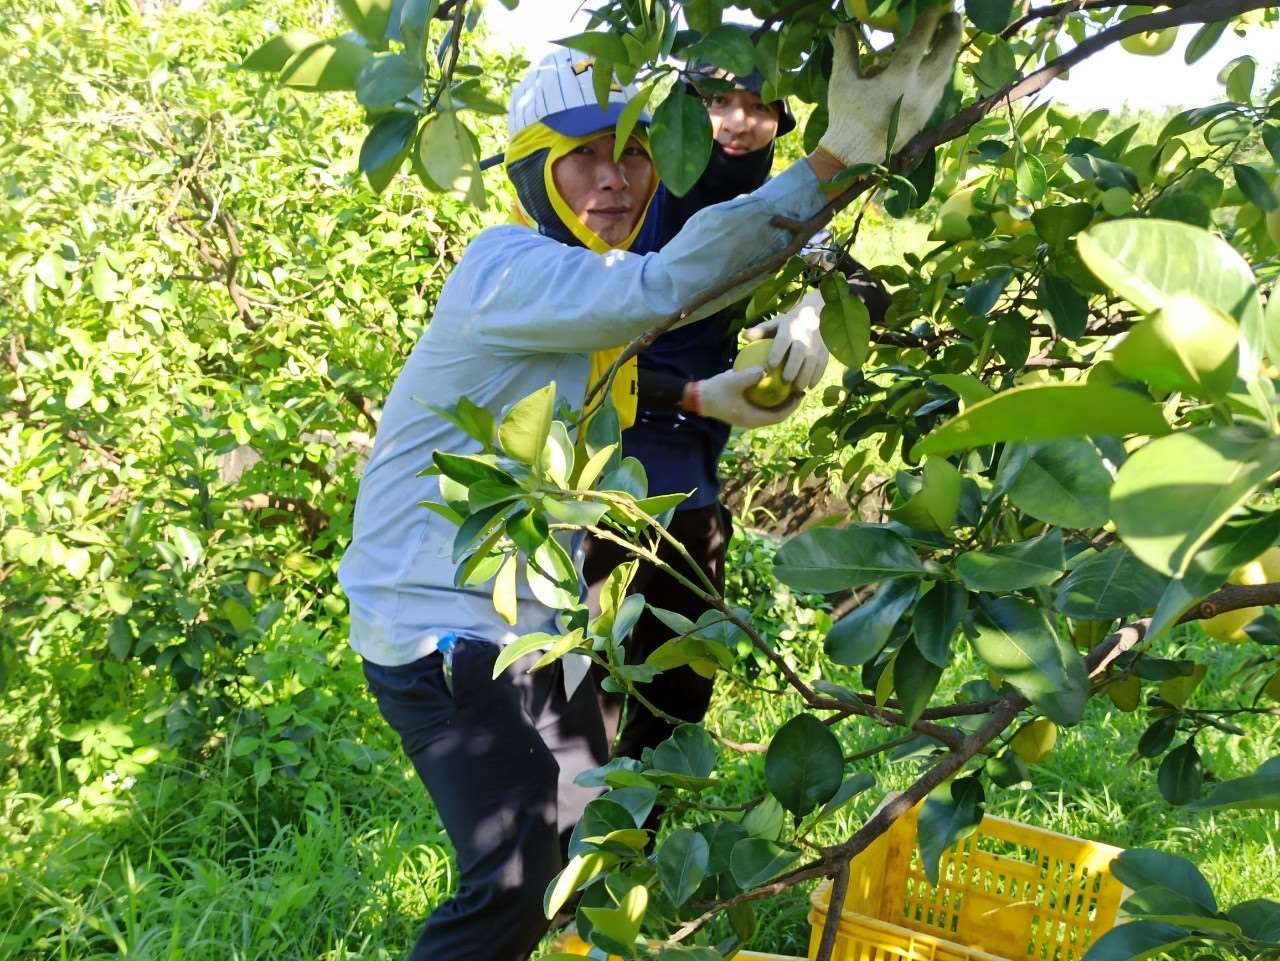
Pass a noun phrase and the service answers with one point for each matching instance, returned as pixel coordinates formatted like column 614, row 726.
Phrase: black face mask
column 729, row 177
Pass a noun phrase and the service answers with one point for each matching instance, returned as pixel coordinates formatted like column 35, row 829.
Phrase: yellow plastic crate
column 1008, row 892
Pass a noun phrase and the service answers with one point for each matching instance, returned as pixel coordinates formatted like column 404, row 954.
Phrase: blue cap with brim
column 581, row 121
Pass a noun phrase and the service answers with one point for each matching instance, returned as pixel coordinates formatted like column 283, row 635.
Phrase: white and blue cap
column 558, row 91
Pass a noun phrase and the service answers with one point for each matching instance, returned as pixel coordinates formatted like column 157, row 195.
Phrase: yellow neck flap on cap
column 538, row 136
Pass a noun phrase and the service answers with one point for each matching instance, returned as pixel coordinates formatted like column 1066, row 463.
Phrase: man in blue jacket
column 523, row 308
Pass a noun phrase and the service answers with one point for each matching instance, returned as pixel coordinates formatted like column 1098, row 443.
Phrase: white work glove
column 798, row 350
column 723, row 397
column 860, row 107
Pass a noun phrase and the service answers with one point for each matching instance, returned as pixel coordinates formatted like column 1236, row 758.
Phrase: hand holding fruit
column 797, row 352
column 728, row 397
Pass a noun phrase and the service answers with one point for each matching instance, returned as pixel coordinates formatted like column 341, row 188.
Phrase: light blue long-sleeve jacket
column 519, row 311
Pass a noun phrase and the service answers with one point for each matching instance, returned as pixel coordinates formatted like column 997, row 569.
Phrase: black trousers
column 498, row 758
column 704, row 532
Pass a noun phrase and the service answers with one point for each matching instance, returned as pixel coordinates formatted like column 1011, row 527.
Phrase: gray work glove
column 860, row 107
column 723, row 397
column 798, row 350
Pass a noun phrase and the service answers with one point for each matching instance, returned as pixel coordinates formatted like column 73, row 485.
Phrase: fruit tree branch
column 955, row 126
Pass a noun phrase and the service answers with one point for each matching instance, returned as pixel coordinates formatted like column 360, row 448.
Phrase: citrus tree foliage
column 201, row 318
column 1077, row 380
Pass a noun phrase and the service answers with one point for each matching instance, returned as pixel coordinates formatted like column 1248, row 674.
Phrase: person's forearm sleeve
column 527, row 293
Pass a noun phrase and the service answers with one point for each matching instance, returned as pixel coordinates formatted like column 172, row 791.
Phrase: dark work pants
column 498, row 758
column 705, row 533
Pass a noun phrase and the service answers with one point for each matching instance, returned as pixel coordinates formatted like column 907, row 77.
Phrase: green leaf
column 914, row 680
column 996, row 68
column 615, row 929
column 518, row 648
column 689, row 751
column 728, row 47
column 552, row 577
column 989, row 16
column 936, row 620
column 327, row 65
column 1031, row 177
column 1136, row 941
column 601, row 817
column 1204, row 40
column 1046, row 412
column 854, row 785
column 1148, row 261
column 276, row 52
column 385, row 147
column 1181, row 776
column 504, row 590
column 1237, row 77
column 682, row 864
column 804, row 764
column 1016, row 640
column 949, row 814
column 369, row 17
column 1140, row 868
column 1059, row 224
column 1259, row 919
column 1173, row 494
column 387, row 79
column 755, row 861
column 580, row 871
column 681, row 140
column 1063, row 482
column 845, row 323
column 1254, row 186
column 1013, row 567
column 605, row 46
column 1064, row 306
column 524, row 429
column 765, row 820
column 1108, row 585
column 826, row 560
column 860, row 635
column 935, row 505
column 628, row 119
column 1257, row 791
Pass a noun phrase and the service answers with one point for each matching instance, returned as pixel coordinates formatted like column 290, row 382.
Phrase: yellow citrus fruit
column 1035, row 740
column 1007, row 223
column 771, row 390
column 1270, row 561
column 860, row 11
column 1229, row 625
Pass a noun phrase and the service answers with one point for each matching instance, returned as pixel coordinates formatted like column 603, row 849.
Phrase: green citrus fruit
column 1035, row 740
column 1126, row 693
column 860, row 11
column 771, row 390
column 1151, row 43
column 1186, row 345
